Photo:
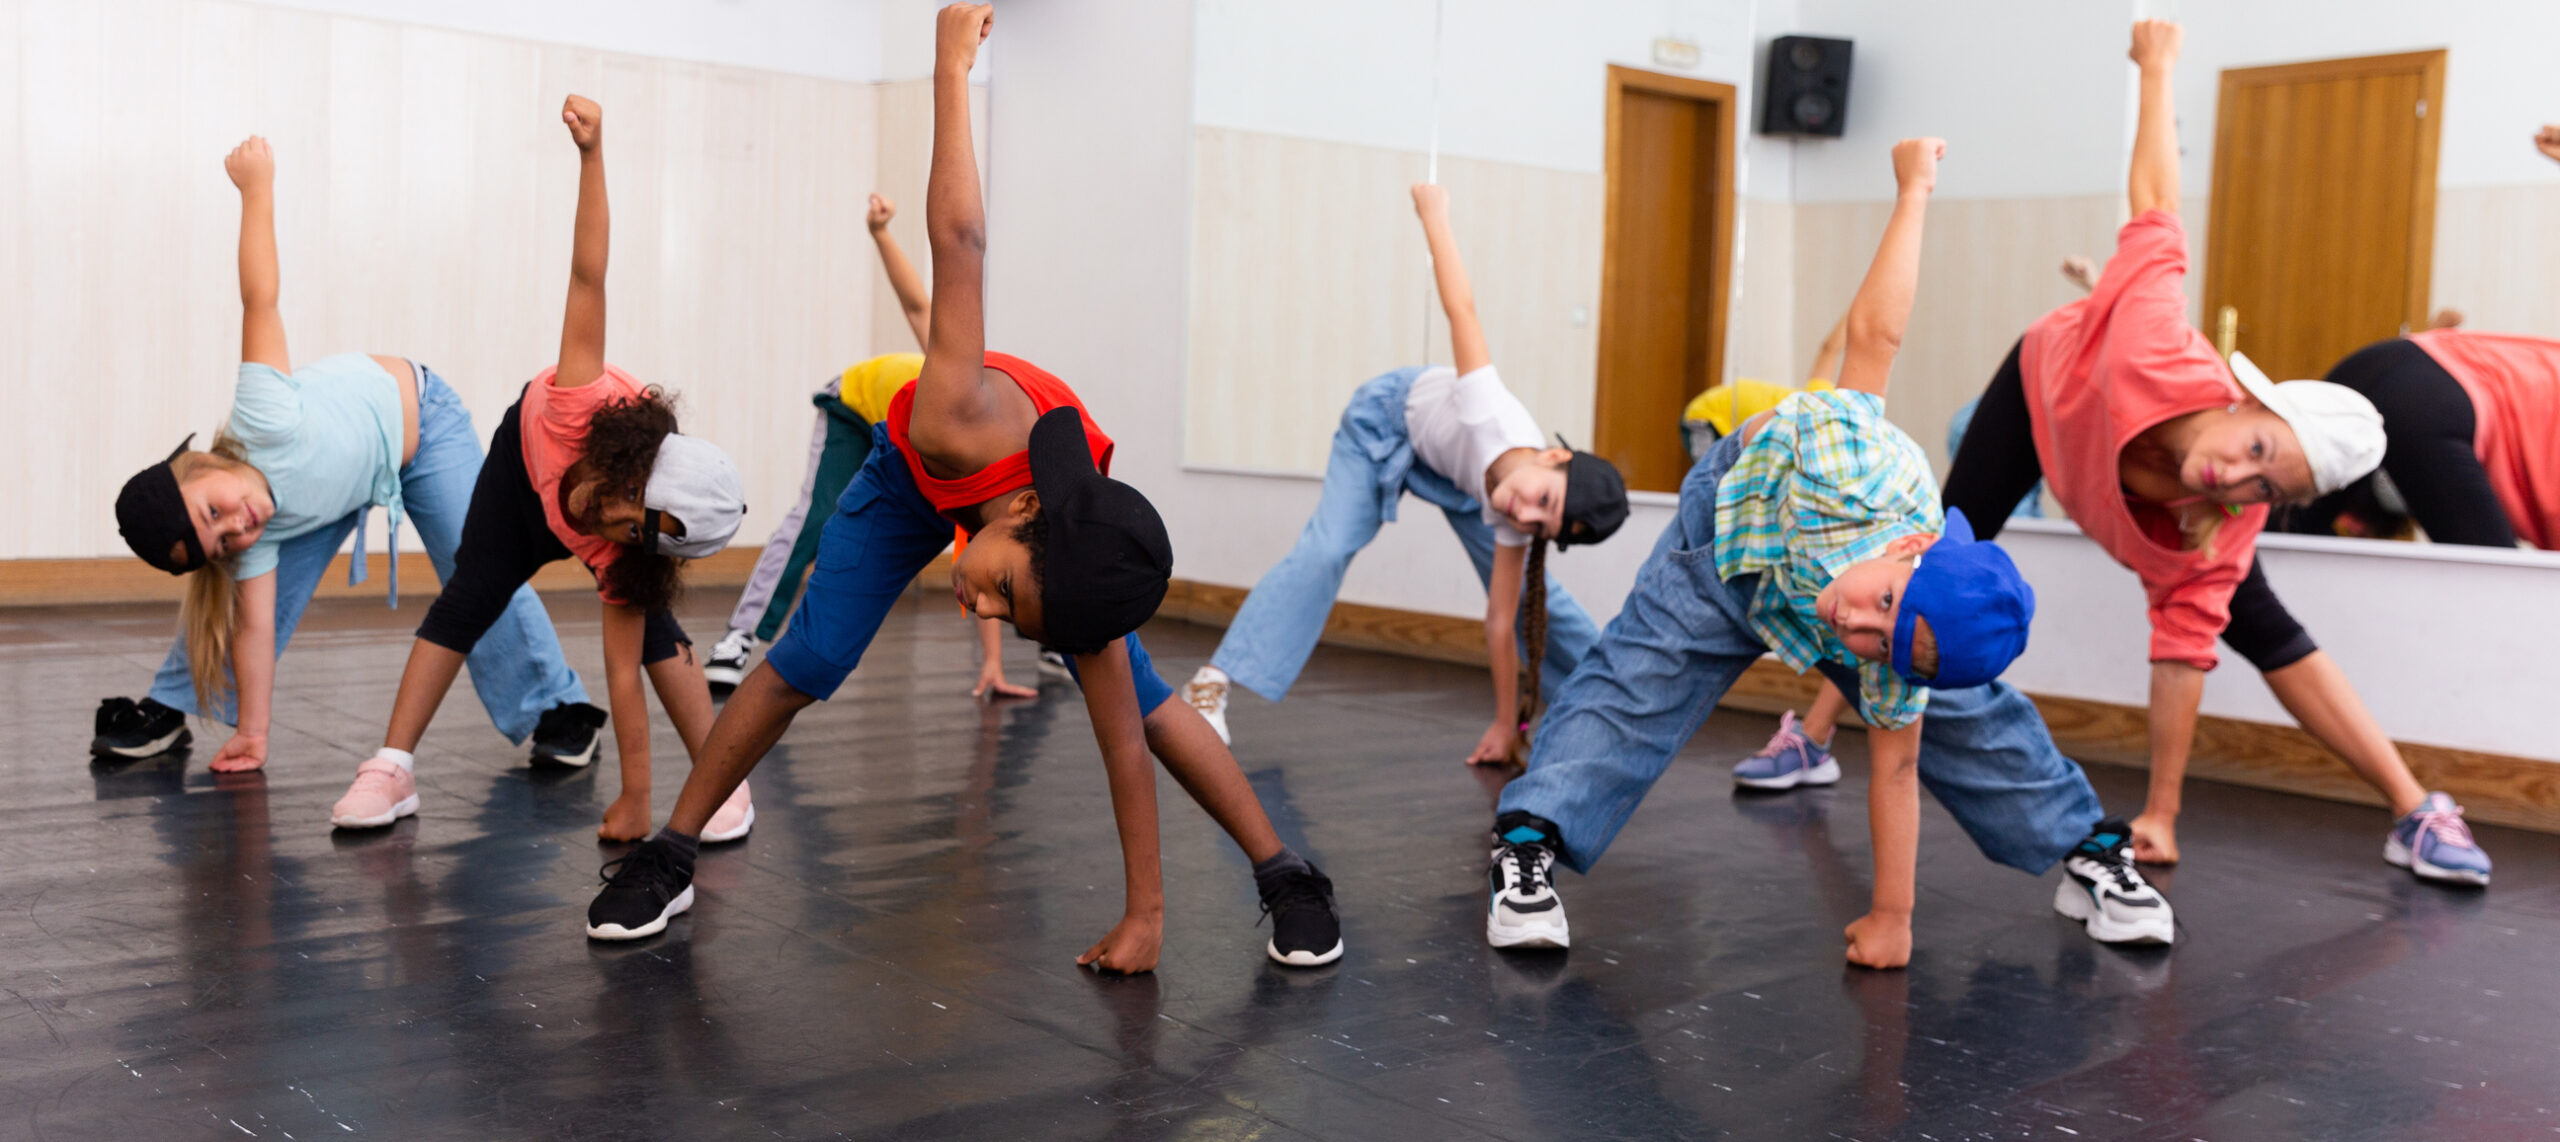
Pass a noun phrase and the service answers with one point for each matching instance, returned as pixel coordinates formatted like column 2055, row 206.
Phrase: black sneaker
column 567, row 734
column 127, row 728
column 1525, row 911
column 2101, row 888
column 1304, row 931
column 641, row 893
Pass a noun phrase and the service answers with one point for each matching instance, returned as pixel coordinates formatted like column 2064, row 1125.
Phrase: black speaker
column 1805, row 89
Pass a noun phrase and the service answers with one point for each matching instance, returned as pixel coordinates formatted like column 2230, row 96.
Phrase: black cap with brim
column 1595, row 500
column 152, row 514
column 1107, row 559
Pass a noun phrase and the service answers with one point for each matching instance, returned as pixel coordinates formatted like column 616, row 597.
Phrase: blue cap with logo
column 1977, row 604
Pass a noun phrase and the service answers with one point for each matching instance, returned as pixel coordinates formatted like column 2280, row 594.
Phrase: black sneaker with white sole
column 1525, row 911
column 126, row 728
column 567, row 734
column 2101, row 889
column 642, row 892
column 1305, row 932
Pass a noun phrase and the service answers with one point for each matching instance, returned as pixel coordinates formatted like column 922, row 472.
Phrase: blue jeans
column 1681, row 642
column 880, row 538
column 1371, row 467
column 517, row 670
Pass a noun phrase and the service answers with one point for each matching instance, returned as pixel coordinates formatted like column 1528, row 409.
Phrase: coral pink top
column 554, row 424
column 2514, row 384
column 2100, row 371
column 1012, row 473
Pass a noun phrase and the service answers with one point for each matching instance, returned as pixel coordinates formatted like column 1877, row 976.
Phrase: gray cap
column 695, row 482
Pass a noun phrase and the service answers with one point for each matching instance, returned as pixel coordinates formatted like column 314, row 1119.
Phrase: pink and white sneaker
column 732, row 820
column 384, row 791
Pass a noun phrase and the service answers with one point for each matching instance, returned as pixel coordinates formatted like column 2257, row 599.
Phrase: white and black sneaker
column 1525, row 911
column 727, row 665
column 1053, row 668
column 2101, row 888
column 568, row 734
column 1207, row 693
column 642, row 892
column 126, row 728
column 1305, row 932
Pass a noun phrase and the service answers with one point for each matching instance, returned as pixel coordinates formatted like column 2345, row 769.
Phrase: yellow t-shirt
column 867, row 386
column 1716, row 405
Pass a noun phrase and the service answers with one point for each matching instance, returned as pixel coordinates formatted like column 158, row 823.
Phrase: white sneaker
column 1525, row 911
column 2101, row 889
column 727, row 665
column 1053, row 667
column 1207, row 693
column 732, row 819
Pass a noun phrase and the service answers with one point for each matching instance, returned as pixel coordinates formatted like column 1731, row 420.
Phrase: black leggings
column 2431, row 456
column 1997, row 464
column 505, row 539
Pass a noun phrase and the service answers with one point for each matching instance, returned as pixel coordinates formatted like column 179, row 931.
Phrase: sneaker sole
column 1303, row 959
column 101, row 747
column 728, row 676
column 1827, row 773
column 2073, row 902
column 1502, row 935
column 2398, row 855
column 407, row 806
column 678, row 906
column 712, row 838
column 579, row 760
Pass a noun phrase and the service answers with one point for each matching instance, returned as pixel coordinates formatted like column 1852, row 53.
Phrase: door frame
column 1721, row 99
column 2430, row 67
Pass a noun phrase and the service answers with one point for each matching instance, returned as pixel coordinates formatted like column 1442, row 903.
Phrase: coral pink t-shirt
column 554, row 425
column 2514, row 385
column 2097, row 373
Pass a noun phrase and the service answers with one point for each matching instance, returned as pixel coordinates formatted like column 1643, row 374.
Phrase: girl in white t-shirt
column 1457, row 438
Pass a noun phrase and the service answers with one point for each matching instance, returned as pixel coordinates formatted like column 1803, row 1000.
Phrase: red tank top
column 1010, row 474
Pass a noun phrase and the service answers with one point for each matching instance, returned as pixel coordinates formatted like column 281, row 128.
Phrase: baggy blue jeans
column 517, row 670
column 1681, row 642
column 1371, row 467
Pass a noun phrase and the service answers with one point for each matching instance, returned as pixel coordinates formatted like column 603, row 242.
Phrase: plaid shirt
column 1828, row 482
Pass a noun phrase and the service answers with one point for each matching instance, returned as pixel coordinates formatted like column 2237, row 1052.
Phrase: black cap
column 1107, row 559
column 1595, row 499
column 152, row 514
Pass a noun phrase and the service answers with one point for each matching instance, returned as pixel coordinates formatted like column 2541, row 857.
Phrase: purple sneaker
column 2433, row 842
column 1789, row 760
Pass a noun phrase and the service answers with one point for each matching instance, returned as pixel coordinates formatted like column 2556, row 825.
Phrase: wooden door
column 1664, row 268
column 2324, row 202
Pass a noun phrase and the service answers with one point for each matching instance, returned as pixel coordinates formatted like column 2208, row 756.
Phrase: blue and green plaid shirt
column 1828, row 482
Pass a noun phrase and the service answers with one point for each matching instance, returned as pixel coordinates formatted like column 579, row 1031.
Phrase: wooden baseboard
column 73, row 582
column 2492, row 787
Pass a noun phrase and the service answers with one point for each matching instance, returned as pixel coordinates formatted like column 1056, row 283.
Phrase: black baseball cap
column 152, row 514
column 1107, row 559
column 1595, row 497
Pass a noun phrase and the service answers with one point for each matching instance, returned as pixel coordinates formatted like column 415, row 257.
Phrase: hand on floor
column 627, row 819
column 992, row 684
column 2155, row 838
column 244, row 752
column 1877, row 940
column 1131, row 948
column 1494, row 748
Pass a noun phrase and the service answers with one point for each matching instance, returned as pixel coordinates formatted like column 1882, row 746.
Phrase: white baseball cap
column 694, row 481
column 2340, row 431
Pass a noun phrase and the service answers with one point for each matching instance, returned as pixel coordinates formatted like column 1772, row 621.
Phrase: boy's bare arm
column 952, row 388
column 1883, row 305
column 913, row 302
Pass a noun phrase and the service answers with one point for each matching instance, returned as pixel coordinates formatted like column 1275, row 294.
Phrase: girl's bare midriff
column 407, row 377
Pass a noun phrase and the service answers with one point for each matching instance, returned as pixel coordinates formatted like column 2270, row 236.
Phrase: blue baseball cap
column 1977, row 604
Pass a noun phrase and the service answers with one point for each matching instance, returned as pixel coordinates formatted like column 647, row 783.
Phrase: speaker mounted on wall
column 1805, row 88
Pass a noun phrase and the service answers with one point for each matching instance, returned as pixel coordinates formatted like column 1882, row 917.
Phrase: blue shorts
column 883, row 534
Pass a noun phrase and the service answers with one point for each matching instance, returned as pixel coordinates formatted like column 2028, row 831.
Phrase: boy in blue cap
column 1816, row 534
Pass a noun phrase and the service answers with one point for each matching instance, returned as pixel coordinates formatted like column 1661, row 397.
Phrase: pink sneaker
column 383, row 792
column 735, row 816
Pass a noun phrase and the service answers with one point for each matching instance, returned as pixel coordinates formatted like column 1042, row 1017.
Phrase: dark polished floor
column 891, row 954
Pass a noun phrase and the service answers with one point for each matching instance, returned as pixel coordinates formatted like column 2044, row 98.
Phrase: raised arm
column 903, row 279
column 2547, row 141
column 1826, row 360
column 1457, row 295
column 582, row 328
column 1883, row 305
column 2152, row 183
column 952, row 389
column 252, row 168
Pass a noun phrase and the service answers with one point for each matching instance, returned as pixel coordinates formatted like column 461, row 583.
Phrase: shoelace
column 1298, row 889
column 2119, row 867
column 1787, row 737
column 1528, row 866
column 121, row 712
column 652, row 862
column 2446, row 824
column 1203, row 696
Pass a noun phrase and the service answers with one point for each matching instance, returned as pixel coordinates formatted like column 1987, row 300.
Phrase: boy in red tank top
column 1067, row 555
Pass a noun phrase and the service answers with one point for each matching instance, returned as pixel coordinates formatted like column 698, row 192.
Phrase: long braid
column 1533, row 633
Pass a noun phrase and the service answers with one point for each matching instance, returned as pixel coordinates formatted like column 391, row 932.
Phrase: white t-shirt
column 1459, row 424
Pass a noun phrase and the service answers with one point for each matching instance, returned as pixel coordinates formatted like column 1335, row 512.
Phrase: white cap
column 694, row 481
column 2340, row 431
